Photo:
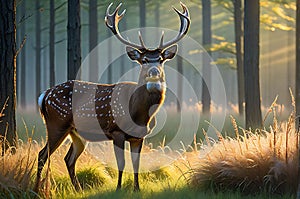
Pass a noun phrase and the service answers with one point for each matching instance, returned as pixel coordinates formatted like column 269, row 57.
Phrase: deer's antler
column 112, row 21
column 184, row 26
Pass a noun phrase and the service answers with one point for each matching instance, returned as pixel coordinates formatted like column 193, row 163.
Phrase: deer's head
column 150, row 60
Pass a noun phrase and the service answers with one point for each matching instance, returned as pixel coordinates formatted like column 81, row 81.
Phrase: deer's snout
column 153, row 72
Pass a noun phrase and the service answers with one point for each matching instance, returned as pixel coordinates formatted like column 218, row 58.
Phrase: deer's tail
column 41, row 103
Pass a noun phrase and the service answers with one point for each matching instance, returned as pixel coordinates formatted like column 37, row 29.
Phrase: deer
column 120, row 112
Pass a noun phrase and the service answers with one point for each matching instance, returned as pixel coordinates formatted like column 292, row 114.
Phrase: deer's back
column 95, row 110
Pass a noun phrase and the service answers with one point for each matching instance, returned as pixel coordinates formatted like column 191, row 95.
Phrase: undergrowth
column 255, row 162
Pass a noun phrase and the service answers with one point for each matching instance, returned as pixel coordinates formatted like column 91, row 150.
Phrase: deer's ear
column 133, row 53
column 169, row 52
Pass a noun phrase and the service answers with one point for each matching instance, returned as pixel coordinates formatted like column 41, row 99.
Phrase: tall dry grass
column 16, row 172
column 264, row 160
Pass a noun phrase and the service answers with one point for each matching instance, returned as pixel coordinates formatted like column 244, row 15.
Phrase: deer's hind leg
column 76, row 148
column 55, row 138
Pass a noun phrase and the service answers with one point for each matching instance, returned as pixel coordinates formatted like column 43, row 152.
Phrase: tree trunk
column 74, row 47
column 8, row 71
column 157, row 19
column 37, row 49
column 52, row 44
column 142, row 13
column 206, row 41
column 238, row 18
column 93, row 40
column 143, row 17
column 124, row 57
column 109, row 58
column 179, row 80
column 297, row 98
column 251, row 65
column 22, row 97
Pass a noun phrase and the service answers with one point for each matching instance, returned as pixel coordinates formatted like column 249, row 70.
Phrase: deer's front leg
column 135, row 147
column 119, row 142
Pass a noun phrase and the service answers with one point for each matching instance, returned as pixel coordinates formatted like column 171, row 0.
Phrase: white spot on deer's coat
column 40, row 99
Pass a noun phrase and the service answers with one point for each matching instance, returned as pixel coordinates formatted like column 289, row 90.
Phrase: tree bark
column 52, row 44
column 251, row 65
column 8, row 71
column 206, row 41
column 74, row 46
column 37, row 49
column 22, row 97
column 93, row 40
column 238, row 20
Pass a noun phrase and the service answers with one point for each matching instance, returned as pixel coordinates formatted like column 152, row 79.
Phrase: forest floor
column 176, row 180
column 261, row 164
column 99, row 181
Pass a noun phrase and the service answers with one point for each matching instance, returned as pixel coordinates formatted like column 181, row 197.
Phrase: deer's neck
column 145, row 104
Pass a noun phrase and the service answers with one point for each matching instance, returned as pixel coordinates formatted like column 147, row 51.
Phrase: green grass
column 171, row 187
column 173, row 181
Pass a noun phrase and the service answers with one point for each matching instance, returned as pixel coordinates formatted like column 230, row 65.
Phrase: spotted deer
column 119, row 112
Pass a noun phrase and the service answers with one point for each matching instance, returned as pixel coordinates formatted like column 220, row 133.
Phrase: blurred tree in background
column 74, row 39
column 206, row 41
column 251, row 65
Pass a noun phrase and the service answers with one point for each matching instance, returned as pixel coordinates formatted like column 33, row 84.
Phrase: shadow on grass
column 182, row 193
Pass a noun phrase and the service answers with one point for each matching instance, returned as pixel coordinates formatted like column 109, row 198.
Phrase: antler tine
column 141, row 40
column 112, row 21
column 184, row 26
column 162, row 39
